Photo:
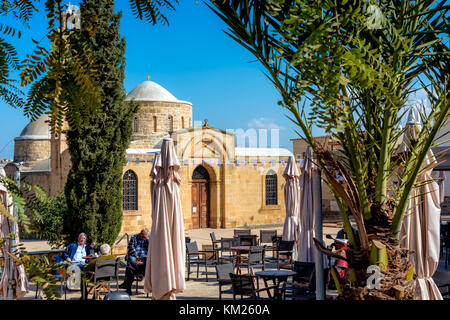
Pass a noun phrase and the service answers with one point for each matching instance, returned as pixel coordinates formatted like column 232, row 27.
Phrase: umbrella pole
column 320, row 294
column 13, row 243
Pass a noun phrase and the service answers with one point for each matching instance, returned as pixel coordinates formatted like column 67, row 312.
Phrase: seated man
column 105, row 254
column 76, row 252
column 137, row 257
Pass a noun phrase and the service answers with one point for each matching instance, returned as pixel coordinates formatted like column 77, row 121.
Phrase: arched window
column 135, row 125
column 130, row 191
column 271, row 188
column 155, row 124
column 170, row 123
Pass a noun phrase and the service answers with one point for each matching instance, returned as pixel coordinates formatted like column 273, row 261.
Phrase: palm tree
column 9, row 60
column 357, row 65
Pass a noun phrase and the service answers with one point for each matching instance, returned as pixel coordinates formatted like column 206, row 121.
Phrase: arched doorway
column 200, row 198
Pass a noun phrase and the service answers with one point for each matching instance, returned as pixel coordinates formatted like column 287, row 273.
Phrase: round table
column 277, row 276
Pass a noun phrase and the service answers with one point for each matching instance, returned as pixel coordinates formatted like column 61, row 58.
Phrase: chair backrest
column 213, row 237
column 247, row 240
column 256, row 257
column 304, row 270
column 284, row 245
column 238, row 232
column 242, row 285
column 226, row 244
column 106, row 269
column 266, row 236
column 223, row 271
column 187, row 239
column 192, row 247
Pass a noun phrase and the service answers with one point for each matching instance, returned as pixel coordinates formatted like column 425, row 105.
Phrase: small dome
column 37, row 129
column 150, row 91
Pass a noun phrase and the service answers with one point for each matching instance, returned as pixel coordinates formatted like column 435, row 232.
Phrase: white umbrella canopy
column 309, row 205
column 420, row 231
column 6, row 230
column 165, row 267
column 292, row 200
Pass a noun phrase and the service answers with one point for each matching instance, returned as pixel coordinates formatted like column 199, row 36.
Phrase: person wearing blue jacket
column 76, row 251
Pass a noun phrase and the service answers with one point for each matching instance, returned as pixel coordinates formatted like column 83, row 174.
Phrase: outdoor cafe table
column 239, row 251
column 277, row 276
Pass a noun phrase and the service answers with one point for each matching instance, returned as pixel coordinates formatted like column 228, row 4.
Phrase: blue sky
column 192, row 58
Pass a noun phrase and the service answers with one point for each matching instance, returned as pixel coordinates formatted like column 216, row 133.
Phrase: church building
column 223, row 185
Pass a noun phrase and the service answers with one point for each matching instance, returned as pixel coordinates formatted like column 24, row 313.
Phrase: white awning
column 262, row 152
column 143, row 151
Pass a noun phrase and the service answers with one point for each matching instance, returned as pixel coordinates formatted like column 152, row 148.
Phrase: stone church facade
column 223, row 186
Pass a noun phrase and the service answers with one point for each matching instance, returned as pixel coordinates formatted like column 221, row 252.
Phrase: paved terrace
column 196, row 289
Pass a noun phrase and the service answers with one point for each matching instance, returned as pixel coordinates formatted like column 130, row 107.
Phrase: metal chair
column 105, row 273
column 196, row 257
column 226, row 254
column 223, row 277
column 244, row 285
column 267, row 236
column 215, row 246
column 214, row 239
column 308, row 292
column 255, row 258
column 304, row 272
column 283, row 253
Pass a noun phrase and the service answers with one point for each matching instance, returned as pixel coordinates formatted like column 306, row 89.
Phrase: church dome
column 37, row 129
column 150, row 91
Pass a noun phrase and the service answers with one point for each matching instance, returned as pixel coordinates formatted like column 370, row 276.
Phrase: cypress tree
column 94, row 184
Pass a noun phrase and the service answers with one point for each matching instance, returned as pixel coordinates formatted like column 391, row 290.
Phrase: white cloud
column 264, row 123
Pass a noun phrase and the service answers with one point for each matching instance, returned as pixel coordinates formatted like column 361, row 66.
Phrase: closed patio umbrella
column 420, row 231
column 153, row 173
column 310, row 204
column 292, row 200
column 166, row 258
column 6, row 232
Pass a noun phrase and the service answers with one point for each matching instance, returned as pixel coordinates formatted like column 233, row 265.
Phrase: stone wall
column 236, row 196
column 31, row 151
column 181, row 112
